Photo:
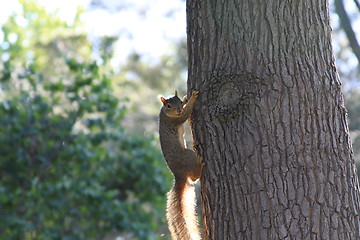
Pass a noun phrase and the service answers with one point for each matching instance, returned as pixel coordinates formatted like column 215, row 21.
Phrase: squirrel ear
column 176, row 93
column 163, row 100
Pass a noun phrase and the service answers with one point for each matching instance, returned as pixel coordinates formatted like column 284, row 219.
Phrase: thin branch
column 346, row 25
column 357, row 3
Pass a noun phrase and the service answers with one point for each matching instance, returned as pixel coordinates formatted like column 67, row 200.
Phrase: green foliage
column 68, row 170
column 35, row 37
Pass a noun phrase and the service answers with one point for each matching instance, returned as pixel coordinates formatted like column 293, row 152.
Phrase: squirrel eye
column 168, row 106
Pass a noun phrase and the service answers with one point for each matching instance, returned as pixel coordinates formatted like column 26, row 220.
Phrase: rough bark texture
column 270, row 121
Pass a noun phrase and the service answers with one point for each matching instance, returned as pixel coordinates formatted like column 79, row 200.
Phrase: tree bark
column 270, row 121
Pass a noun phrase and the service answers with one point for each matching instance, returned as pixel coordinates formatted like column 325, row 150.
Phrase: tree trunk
column 270, row 121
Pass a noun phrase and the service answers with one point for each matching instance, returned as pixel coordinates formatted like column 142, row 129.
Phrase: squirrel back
column 183, row 163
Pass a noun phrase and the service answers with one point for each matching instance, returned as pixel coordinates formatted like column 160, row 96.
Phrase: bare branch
column 357, row 3
column 346, row 25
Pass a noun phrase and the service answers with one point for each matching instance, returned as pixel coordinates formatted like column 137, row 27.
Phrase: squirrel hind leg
column 196, row 174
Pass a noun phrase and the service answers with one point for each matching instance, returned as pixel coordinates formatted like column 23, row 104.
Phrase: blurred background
column 80, row 82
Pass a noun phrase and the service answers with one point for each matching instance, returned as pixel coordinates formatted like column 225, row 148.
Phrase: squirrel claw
column 195, row 93
column 201, row 161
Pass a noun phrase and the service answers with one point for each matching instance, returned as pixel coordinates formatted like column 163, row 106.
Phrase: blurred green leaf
column 68, row 170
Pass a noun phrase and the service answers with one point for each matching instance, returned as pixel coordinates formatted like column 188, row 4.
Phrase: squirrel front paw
column 195, row 94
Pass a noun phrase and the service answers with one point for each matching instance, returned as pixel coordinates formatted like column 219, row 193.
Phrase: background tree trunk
column 270, row 121
column 346, row 25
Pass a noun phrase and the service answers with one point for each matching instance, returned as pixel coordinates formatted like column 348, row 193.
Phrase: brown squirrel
column 183, row 163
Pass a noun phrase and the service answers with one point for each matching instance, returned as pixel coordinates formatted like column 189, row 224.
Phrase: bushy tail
column 180, row 211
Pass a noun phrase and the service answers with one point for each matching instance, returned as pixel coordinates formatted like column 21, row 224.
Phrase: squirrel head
column 173, row 107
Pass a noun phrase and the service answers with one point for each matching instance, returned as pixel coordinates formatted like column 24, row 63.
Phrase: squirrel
column 183, row 163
